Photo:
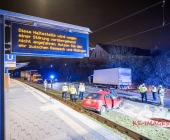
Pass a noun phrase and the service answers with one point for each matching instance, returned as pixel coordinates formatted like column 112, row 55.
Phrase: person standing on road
column 73, row 93
column 70, row 79
column 140, row 88
column 45, row 84
column 153, row 90
column 81, row 91
column 161, row 95
column 51, row 83
column 64, row 89
column 89, row 78
column 67, row 79
column 143, row 90
column 69, row 90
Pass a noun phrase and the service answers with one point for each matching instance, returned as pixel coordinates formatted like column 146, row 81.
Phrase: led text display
column 36, row 40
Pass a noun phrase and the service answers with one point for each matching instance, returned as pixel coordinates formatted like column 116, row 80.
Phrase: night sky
column 95, row 14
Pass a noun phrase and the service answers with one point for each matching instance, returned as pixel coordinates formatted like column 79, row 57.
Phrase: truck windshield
column 94, row 96
column 38, row 77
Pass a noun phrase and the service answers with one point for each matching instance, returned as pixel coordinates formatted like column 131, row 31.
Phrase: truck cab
column 37, row 78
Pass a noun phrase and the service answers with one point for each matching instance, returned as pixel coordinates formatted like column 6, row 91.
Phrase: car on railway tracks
column 102, row 101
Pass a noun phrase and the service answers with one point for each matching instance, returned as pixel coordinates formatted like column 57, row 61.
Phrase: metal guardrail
column 99, row 118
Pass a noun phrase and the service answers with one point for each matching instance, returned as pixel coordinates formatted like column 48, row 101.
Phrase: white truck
column 113, row 76
column 27, row 75
column 22, row 74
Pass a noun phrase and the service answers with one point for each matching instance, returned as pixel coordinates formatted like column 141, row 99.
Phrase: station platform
column 32, row 115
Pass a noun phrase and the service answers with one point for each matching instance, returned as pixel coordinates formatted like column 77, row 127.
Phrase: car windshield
column 94, row 96
column 38, row 77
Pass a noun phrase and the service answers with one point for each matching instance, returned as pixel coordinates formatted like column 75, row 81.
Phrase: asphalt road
column 136, row 109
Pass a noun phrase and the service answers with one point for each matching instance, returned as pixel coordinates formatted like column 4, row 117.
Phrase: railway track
column 96, row 116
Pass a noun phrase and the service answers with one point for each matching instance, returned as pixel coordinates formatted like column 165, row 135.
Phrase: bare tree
column 159, row 69
column 122, row 56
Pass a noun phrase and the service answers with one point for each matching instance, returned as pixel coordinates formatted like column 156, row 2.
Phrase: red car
column 101, row 101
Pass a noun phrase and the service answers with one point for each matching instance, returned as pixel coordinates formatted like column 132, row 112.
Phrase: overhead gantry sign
column 32, row 40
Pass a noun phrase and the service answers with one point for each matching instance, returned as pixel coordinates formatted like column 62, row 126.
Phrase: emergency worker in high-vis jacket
column 69, row 90
column 143, row 91
column 73, row 93
column 161, row 95
column 65, row 90
column 141, row 87
column 81, row 91
column 153, row 90
column 45, row 84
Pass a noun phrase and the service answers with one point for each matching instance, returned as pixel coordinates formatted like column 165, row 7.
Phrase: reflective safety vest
column 64, row 88
column 161, row 92
column 69, row 88
column 73, row 91
column 81, row 88
column 143, row 89
column 153, row 89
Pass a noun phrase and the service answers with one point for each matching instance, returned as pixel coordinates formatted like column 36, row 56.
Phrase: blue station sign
column 10, row 60
column 37, row 41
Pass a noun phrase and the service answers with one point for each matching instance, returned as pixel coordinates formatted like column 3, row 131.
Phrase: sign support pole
column 2, row 71
column 7, row 80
